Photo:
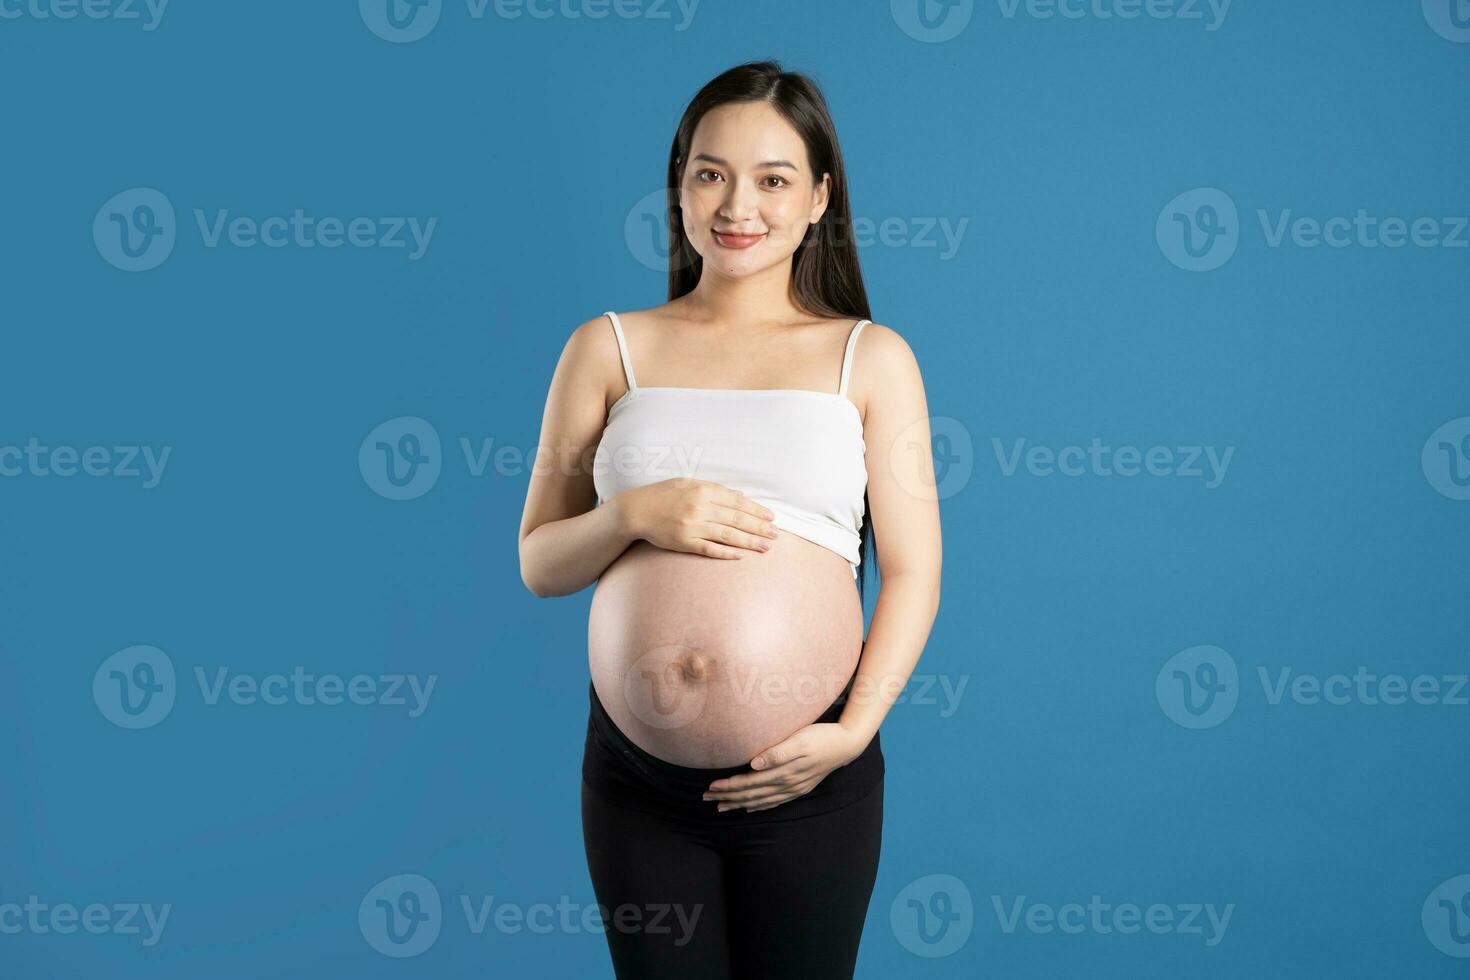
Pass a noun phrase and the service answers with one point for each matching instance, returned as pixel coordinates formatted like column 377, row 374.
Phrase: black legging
column 687, row 891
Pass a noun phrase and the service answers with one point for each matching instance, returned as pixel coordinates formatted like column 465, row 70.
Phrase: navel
column 695, row 666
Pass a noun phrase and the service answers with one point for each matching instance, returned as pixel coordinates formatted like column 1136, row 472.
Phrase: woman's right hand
column 699, row 517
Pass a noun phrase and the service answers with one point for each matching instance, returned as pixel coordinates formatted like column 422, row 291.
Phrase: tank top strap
column 847, row 355
column 623, row 350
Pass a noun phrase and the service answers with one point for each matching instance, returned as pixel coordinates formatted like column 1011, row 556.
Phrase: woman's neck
column 763, row 298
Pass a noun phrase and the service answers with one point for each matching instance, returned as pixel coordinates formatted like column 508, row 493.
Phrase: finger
column 745, row 522
column 712, row 549
column 750, row 791
column 756, row 803
column 763, row 777
column 739, row 501
column 731, row 537
column 742, row 797
column 776, row 799
column 744, row 791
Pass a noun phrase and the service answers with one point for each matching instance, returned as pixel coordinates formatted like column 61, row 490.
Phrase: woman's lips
column 737, row 241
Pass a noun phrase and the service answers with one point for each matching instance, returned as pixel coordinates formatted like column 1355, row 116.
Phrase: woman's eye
column 710, row 176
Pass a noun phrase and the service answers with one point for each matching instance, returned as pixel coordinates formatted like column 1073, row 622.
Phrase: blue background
column 1060, row 318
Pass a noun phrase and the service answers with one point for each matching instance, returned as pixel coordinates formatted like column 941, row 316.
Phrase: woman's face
column 748, row 194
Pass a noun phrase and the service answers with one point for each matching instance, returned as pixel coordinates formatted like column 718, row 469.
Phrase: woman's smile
column 737, row 241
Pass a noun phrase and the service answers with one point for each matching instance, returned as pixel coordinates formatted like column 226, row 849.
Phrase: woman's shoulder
column 881, row 344
column 882, row 360
column 629, row 320
column 591, row 335
column 590, row 352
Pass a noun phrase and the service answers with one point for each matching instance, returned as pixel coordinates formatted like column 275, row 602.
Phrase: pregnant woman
column 735, row 452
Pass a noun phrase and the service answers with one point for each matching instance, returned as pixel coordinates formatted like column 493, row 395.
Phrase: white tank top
column 798, row 452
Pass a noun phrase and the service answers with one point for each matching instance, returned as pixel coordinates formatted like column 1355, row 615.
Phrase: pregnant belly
column 704, row 661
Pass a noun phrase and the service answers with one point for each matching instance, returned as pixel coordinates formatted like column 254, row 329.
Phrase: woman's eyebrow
column 760, row 166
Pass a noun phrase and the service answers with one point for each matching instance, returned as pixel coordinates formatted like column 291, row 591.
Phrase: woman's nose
column 740, row 200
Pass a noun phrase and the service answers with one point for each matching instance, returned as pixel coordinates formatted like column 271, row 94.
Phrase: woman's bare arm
column 905, row 517
column 566, row 540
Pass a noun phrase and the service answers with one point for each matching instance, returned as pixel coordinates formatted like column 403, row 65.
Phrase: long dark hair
column 825, row 277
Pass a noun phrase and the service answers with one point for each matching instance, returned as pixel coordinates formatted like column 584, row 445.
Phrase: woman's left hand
column 789, row 769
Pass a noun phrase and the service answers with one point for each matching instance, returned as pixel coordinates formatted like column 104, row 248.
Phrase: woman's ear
column 820, row 196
